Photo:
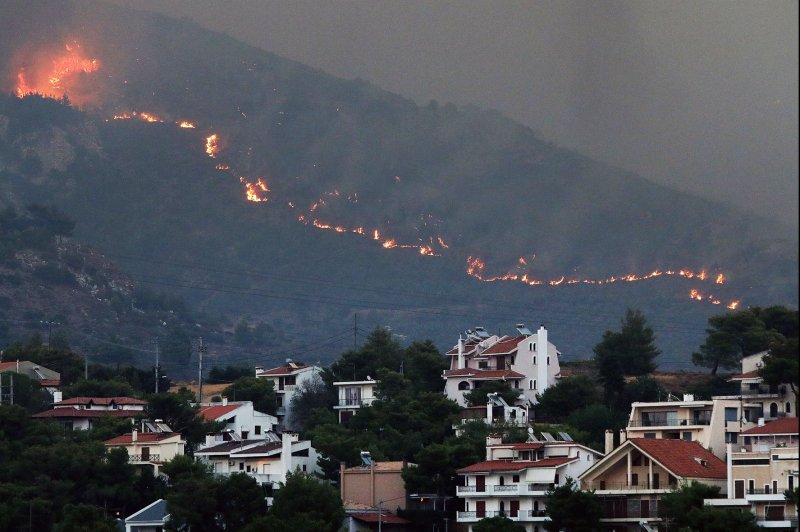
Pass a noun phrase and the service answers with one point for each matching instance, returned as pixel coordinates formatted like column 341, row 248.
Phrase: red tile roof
column 469, row 347
column 508, row 465
column 519, row 446
column 484, row 373
column 141, row 437
column 211, row 413
column 288, row 369
column 82, row 413
column 49, row 383
column 106, row 401
column 7, row 365
column 681, row 457
column 784, row 425
column 504, row 346
column 742, row 376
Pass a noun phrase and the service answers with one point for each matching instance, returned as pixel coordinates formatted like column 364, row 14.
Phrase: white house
column 515, row 477
column 286, row 380
column 353, row 395
column 267, row 461
column 528, row 362
column 242, row 421
column 773, row 401
column 79, row 413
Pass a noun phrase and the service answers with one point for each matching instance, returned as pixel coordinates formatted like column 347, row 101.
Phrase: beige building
column 761, row 467
column 149, row 448
column 631, row 479
column 772, row 401
column 375, row 485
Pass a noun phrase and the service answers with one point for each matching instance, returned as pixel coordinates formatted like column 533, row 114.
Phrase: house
column 712, row 423
column 268, row 460
column 151, row 518
column 761, row 467
column 772, row 401
column 286, row 380
column 47, row 378
column 374, row 484
column 153, row 446
column 631, row 479
column 495, row 412
column 80, row 413
column 515, row 477
column 362, row 520
column 353, row 395
column 528, row 362
column 242, row 421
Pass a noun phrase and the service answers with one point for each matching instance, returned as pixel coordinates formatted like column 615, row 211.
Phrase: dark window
column 634, row 479
column 258, row 429
column 515, row 479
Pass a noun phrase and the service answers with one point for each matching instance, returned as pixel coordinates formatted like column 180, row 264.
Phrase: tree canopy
column 570, row 508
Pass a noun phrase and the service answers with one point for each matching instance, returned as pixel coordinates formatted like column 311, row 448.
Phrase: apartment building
column 286, row 380
column 353, row 395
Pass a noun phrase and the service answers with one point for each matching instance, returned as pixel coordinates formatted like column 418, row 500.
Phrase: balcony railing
column 151, row 458
column 353, row 401
column 641, row 485
column 668, row 423
column 506, row 489
column 540, row 487
column 468, row 489
column 535, row 514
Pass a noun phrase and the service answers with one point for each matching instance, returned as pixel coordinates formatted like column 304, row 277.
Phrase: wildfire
column 256, row 192
column 58, row 79
column 211, row 146
column 186, row 125
column 476, row 267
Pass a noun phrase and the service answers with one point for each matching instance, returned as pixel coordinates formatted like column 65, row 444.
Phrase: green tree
column 714, row 519
column 594, row 420
column 423, row 364
column 676, row 505
column 570, row 508
column 498, row 523
column 781, row 365
column 84, row 518
column 311, row 402
column 643, row 389
column 380, row 350
column 631, row 351
column 568, row 395
column 260, row 391
column 731, row 336
column 304, row 501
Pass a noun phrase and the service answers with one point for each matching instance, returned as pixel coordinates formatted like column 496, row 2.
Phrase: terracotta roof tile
column 211, row 413
column 285, row 370
column 372, row 517
column 681, row 457
column 742, row 376
column 102, row 401
column 82, row 413
column 784, row 425
column 504, row 346
column 517, row 465
column 142, row 437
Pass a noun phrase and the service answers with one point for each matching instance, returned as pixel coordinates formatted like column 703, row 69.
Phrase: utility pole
column 156, row 342
column 201, row 350
column 355, row 329
column 12, row 389
column 85, row 366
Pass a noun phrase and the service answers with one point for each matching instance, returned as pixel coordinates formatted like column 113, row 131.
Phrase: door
column 645, row 508
column 514, row 511
column 738, row 489
column 145, row 454
column 655, row 481
column 480, row 509
column 480, row 483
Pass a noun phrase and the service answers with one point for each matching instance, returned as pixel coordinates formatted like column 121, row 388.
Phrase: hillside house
column 242, row 421
column 353, row 395
column 151, row 447
column 286, row 380
column 374, row 484
column 528, row 362
column 762, row 465
column 48, row 379
column 515, row 477
column 80, row 413
column 772, row 401
column 268, row 460
column 631, row 479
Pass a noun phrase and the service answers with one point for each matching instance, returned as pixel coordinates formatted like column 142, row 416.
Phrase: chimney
column 57, row 397
column 210, row 439
column 761, row 422
column 609, row 440
column 287, row 438
column 224, row 401
column 460, row 353
column 623, row 436
column 543, row 351
column 134, row 435
column 492, row 439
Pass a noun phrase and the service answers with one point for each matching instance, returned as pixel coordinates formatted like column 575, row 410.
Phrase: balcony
column 353, row 402
column 642, row 485
column 509, row 489
column 476, row 516
column 535, row 515
column 147, row 459
column 469, row 489
column 643, row 423
column 540, row 487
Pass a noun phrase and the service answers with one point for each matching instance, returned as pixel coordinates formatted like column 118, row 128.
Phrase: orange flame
column 720, row 279
column 733, row 305
column 211, row 145
column 186, row 125
column 255, row 192
column 57, row 80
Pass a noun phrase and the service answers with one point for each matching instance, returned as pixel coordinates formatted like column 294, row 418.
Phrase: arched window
column 530, row 384
column 773, row 410
column 463, row 385
column 788, row 408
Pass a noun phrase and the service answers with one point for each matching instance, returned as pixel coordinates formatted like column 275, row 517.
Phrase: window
column 751, row 486
column 548, row 361
column 515, row 479
column 245, row 434
column 530, row 384
column 731, row 414
column 534, row 361
column 634, row 479
column 730, row 437
column 241, row 466
column 788, row 408
column 258, row 429
column 687, row 436
column 463, row 385
column 650, row 435
column 533, row 346
column 534, row 384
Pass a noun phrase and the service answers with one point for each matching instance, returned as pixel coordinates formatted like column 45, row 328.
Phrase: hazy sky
column 702, row 95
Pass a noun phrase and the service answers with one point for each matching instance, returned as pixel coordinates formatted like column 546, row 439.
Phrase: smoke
column 701, row 96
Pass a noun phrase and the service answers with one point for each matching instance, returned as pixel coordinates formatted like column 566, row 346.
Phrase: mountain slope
column 461, row 188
